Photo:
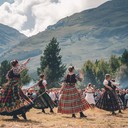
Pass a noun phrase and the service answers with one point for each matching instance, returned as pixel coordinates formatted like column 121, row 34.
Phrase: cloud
column 33, row 16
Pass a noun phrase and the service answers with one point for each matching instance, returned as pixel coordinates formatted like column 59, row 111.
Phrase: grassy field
column 95, row 119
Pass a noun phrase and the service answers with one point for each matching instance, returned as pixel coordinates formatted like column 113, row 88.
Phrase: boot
column 73, row 115
column 120, row 112
column 24, row 116
column 43, row 111
column 113, row 113
column 15, row 117
column 51, row 110
column 82, row 115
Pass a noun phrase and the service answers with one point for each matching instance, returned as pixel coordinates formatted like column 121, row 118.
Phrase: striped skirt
column 120, row 102
column 108, row 101
column 43, row 101
column 71, row 101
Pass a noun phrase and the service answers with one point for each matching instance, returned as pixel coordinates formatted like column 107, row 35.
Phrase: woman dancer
column 108, row 101
column 14, row 102
column 71, row 100
column 90, row 95
column 43, row 100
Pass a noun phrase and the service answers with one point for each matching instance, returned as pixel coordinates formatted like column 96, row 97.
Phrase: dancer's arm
column 23, row 65
column 61, row 89
column 26, row 62
column 115, row 84
column 80, row 76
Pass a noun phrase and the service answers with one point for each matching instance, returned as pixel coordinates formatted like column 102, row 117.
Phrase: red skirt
column 71, row 101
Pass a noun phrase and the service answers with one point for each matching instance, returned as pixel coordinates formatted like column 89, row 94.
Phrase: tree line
column 51, row 65
column 117, row 67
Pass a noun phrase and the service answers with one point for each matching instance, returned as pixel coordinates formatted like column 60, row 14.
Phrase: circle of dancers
column 69, row 100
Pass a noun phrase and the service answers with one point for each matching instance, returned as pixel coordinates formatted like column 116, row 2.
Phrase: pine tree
column 25, row 78
column 124, row 57
column 114, row 64
column 4, row 68
column 89, row 75
column 51, row 63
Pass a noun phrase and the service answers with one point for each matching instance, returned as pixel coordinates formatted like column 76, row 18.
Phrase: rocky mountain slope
column 91, row 34
column 9, row 37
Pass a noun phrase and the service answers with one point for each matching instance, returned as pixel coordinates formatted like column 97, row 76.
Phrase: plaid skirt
column 108, row 101
column 13, row 100
column 120, row 102
column 43, row 101
column 71, row 101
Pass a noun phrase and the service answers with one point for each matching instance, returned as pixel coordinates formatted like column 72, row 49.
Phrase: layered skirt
column 120, row 102
column 13, row 101
column 90, row 98
column 43, row 101
column 108, row 101
column 71, row 101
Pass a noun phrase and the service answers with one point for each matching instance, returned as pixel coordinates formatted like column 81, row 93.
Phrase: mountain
column 9, row 37
column 91, row 34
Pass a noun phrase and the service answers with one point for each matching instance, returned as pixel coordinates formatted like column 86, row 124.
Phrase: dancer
column 71, row 100
column 120, row 102
column 90, row 95
column 108, row 100
column 43, row 100
column 14, row 102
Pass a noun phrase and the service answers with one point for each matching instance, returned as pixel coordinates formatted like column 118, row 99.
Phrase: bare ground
column 95, row 119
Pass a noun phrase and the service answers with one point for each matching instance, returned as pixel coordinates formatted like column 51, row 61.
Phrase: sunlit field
column 95, row 119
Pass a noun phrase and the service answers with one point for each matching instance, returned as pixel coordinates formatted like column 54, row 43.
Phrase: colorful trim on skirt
column 72, row 101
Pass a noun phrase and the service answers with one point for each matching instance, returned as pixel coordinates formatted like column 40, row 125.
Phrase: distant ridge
column 9, row 37
column 91, row 34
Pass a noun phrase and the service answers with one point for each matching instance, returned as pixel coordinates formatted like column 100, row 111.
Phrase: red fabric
column 72, row 101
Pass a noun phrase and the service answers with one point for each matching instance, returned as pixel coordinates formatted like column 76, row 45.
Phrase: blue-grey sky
column 33, row 16
column 3, row 1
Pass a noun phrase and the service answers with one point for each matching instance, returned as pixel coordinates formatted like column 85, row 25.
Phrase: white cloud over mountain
column 33, row 16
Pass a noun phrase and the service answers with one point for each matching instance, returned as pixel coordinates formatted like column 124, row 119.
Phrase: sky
column 33, row 16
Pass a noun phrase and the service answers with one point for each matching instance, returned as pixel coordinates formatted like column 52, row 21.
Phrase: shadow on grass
column 86, row 118
column 46, row 113
column 21, row 120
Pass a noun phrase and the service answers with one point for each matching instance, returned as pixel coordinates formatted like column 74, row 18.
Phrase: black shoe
column 120, row 112
column 51, row 110
column 15, row 117
column 43, row 111
column 73, row 116
column 82, row 115
column 24, row 116
column 113, row 113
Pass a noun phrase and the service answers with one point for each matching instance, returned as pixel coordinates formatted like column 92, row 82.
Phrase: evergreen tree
column 51, row 63
column 89, row 75
column 25, row 78
column 103, row 68
column 124, row 57
column 4, row 68
column 114, row 64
